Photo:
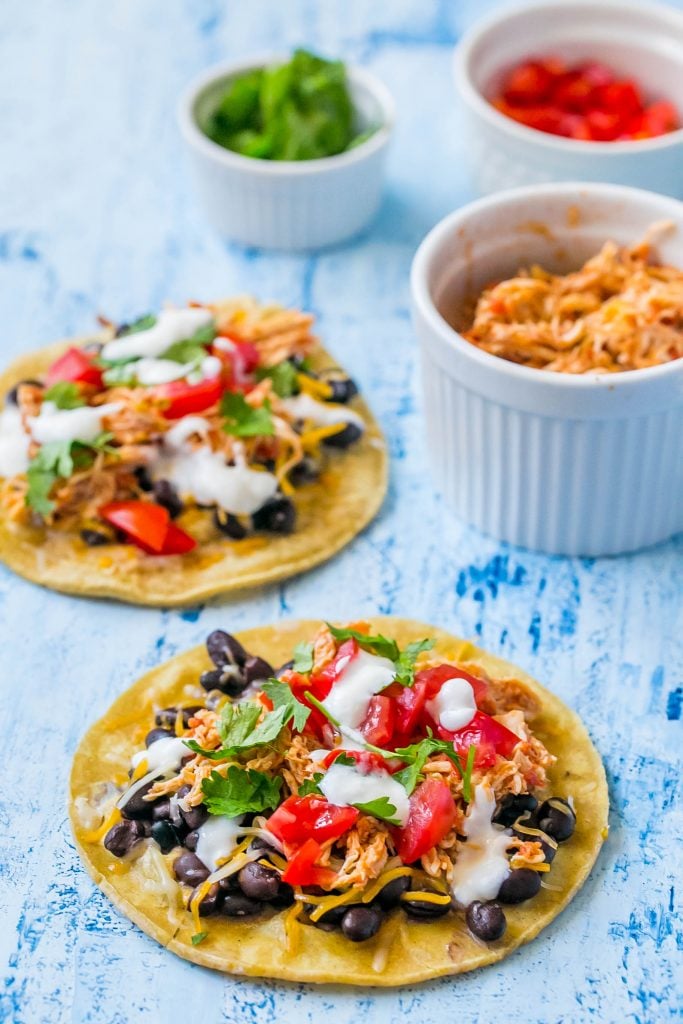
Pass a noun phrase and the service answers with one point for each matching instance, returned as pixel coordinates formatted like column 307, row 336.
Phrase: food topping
column 585, row 101
column 620, row 311
column 266, row 798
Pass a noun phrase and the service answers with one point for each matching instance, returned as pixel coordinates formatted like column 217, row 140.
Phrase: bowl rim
column 491, row 364
column 194, row 135
column 667, row 16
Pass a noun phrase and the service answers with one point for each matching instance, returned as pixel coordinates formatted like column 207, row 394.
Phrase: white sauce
column 345, row 785
column 82, row 424
column 204, row 474
column 360, row 679
column 175, row 438
column 159, row 371
column 14, row 443
column 211, row 367
column 305, row 407
column 482, row 865
column 172, row 325
column 454, row 705
column 163, row 755
column 216, row 839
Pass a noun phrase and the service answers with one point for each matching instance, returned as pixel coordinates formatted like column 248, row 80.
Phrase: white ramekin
column 640, row 40
column 575, row 465
column 289, row 204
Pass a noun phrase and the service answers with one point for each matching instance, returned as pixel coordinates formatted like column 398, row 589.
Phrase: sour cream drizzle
column 454, row 705
column 481, row 866
column 162, row 755
column 216, row 839
column 305, row 407
column 14, row 443
column 360, row 679
column 172, row 325
column 345, row 785
column 82, row 424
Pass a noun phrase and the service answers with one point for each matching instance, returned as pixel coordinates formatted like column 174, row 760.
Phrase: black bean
column 344, row 438
column 256, row 669
column 520, row 885
column 224, row 649
column 228, row 680
column 236, row 904
column 191, row 840
column 95, row 538
column 276, row 516
column 512, row 806
column 144, row 480
column 390, row 896
column 556, row 818
column 195, row 817
column 12, row 396
column 167, row 716
column 121, row 838
column 190, row 869
column 306, row 471
column 166, row 495
column 165, row 836
column 288, row 665
column 229, row 524
column 157, row 734
column 285, row 896
column 259, row 882
column 343, row 389
column 211, row 903
column 423, row 910
column 486, row 920
column 333, row 916
column 259, row 843
column 361, row 923
column 230, row 884
column 136, row 808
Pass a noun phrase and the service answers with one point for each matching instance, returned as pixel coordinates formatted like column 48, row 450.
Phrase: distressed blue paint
column 97, row 215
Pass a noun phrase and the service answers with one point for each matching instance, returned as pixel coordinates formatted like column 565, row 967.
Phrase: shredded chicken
column 620, row 311
column 365, row 853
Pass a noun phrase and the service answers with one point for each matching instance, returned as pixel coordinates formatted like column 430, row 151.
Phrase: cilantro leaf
column 311, row 787
column 405, row 663
column 192, row 349
column 284, row 377
column 143, row 323
column 283, row 698
column 303, row 658
column 467, row 774
column 380, row 808
column 243, row 420
column 199, row 937
column 121, row 374
column 65, row 394
column 238, row 721
column 417, row 754
column 379, row 645
column 55, row 460
column 240, row 791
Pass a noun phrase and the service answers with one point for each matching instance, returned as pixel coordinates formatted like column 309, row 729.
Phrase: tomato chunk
column 303, row 870
column 431, row 816
column 76, row 366
column 177, row 541
column 143, row 522
column 185, row 399
column 489, row 737
column 303, row 817
column 378, row 724
column 367, row 760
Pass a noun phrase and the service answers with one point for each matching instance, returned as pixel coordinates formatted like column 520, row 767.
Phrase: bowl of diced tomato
column 574, row 90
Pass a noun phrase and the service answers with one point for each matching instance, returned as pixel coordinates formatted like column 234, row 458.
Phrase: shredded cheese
column 96, row 834
column 330, row 902
column 292, row 928
column 419, row 896
column 311, row 439
column 140, row 770
column 314, row 388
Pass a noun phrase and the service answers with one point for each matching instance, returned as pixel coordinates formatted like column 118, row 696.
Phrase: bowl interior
column 558, row 230
column 635, row 42
column 368, row 112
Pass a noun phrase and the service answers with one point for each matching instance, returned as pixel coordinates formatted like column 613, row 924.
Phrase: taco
column 391, row 805
column 200, row 451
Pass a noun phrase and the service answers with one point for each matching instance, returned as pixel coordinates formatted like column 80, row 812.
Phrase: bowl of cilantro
column 288, row 154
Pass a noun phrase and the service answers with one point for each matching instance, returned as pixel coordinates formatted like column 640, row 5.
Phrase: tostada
column 375, row 804
column 202, row 450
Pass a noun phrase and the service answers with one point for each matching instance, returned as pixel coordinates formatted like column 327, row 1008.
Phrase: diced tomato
column 604, row 125
column 303, row 870
column 300, row 685
column 529, row 83
column 573, row 93
column 143, row 522
column 240, row 359
column 431, row 816
column 368, row 760
column 486, row 734
column 659, row 118
column 378, row 725
column 76, row 366
column 177, row 542
column 621, row 98
column 185, row 399
column 303, row 817
column 324, row 680
column 434, row 678
column 595, row 74
column 408, row 707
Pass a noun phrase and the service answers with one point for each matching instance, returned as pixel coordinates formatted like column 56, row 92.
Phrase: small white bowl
column 575, row 465
column 640, row 40
column 287, row 204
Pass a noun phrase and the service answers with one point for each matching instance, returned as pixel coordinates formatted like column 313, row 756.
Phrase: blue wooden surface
column 96, row 214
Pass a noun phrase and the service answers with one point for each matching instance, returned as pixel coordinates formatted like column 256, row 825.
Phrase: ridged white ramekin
column 282, row 204
column 575, row 465
column 644, row 41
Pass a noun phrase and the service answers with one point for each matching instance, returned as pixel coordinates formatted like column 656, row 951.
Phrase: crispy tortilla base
column 330, row 512
column 417, row 951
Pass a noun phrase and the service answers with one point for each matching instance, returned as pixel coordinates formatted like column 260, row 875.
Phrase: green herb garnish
column 65, row 394
column 380, row 808
column 284, row 377
column 243, row 420
column 300, row 110
column 59, row 459
column 303, row 658
column 404, row 661
column 198, row 937
column 193, row 349
column 311, row 787
column 143, row 323
column 240, row 791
